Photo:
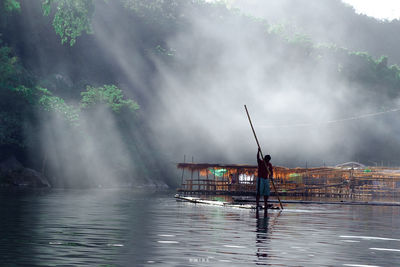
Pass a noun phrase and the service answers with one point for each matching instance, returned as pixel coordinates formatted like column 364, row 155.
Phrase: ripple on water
column 129, row 229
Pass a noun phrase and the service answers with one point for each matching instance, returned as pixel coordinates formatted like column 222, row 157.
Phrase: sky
column 380, row 9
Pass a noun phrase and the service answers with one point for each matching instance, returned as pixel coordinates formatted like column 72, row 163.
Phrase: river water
column 119, row 227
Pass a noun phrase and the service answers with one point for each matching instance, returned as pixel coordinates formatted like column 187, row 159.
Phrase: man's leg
column 266, row 195
column 258, row 192
column 257, row 200
column 266, row 202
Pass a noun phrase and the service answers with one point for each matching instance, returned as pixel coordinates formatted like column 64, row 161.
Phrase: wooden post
column 198, row 178
column 207, row 182
column 183, row 169
column 258, row 144
column 352, row 182
column 191, row 171
column 215, row 181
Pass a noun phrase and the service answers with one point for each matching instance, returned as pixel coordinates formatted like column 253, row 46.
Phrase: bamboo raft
column 230, row 204
column 345, row 181
column 248, row 203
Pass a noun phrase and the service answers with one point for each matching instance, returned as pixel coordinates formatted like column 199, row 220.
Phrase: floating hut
column 345, row 180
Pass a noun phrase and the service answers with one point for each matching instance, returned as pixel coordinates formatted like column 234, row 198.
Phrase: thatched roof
column 200, row 166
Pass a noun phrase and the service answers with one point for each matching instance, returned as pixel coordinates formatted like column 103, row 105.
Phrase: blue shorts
column 264, row 189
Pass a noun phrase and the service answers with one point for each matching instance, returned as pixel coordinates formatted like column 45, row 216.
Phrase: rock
column 12, row 172
column 10, row 164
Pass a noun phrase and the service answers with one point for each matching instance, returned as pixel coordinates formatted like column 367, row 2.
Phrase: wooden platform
column 340, row 181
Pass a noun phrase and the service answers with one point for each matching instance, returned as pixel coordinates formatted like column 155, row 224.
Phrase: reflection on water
column 127, row 228
column 262, row 243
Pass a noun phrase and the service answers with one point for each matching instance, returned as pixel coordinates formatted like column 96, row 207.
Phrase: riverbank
column 14, row 174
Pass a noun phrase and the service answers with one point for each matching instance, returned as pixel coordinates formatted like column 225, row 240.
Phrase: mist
column 306, row 94
column 195, row 106
column 93, row 159
column 202, row 114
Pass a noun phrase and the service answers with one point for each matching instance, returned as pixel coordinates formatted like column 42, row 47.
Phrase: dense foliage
column 109, row 95
column 15, row 99
column 71, row 18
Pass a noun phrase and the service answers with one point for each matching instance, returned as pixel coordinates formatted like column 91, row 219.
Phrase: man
column 265, row 172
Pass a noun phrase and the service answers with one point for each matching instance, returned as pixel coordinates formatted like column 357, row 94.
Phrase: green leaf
column 46, row 6
column 110, row 95
column 72, row 18
column 12, row 5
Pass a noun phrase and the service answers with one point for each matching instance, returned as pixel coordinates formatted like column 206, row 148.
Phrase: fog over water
column 305, row 105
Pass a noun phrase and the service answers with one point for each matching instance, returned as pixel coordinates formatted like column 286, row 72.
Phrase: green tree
column 20, row 98
column 72, row 17
column 11, row 5
column 13, row 106
column 110, row 95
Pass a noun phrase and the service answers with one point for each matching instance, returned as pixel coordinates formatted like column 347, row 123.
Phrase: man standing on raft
column 265, row 172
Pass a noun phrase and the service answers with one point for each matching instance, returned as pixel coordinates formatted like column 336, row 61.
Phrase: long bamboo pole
column 258, row 144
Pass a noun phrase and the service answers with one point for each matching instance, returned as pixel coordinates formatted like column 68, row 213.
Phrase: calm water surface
column 133, row 228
